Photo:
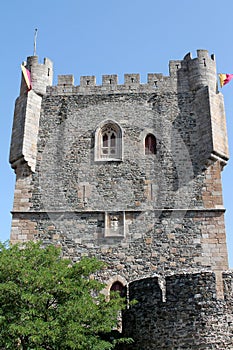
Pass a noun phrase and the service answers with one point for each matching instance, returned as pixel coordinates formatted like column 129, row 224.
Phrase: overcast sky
column 91, row 37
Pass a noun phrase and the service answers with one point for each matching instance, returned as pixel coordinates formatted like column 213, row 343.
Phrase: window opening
column 113, row 140
column 108, row 142
column 150, row 144
column 118, row 287
column 105, row 144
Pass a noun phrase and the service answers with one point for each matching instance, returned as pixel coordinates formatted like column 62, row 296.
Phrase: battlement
column 110, row 84
column 191, row 315
column 183, row 288
column 184, row 75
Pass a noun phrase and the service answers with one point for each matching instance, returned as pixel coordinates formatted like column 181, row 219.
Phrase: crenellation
column 191, row 306
column 87, row 81
column 174, row 67
column 156, row 82
column 65, row 80
column 131, row 79
column 153, row 79
column 110, row 80
column 183, row 75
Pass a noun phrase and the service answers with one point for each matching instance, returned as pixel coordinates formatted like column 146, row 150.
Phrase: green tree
column 47, row 302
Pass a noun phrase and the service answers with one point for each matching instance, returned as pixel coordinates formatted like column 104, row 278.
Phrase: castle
column 131, row 174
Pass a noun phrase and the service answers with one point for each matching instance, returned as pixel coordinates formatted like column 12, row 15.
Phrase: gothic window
column 150, row 144
column 108, row 142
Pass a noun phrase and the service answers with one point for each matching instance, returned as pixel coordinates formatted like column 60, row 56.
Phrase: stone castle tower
column 131, row 174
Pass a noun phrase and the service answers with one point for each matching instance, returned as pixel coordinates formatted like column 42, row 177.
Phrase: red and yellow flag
column 27, row 77
column 225, row 78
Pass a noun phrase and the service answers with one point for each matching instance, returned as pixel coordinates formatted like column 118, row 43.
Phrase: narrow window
column 118, row 287
column 113, row 143
column 150, row 144
column 105, row 144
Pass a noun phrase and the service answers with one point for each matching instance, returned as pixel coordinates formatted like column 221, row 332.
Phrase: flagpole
column 35, row 36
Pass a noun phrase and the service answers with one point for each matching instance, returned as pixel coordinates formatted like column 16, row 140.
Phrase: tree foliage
column 47, row 302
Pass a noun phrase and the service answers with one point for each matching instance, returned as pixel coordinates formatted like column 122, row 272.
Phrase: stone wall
column 168, row 205
column 169, row 241
column 190, row 316
column 143, row 214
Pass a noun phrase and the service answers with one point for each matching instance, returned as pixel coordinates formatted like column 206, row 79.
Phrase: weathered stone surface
column 189, row 316
column 145, row 215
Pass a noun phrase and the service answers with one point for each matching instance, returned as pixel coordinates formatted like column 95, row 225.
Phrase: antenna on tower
column 35, row 36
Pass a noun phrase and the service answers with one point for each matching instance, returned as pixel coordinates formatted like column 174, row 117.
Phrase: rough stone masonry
column 131, row 174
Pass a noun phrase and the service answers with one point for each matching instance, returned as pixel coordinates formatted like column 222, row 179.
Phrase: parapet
column 191, row 317
column 184, row 75
column 183, row 287
column 110, row 84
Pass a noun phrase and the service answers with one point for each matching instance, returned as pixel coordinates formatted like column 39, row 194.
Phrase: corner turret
column 41, row 75
column 199, row 76
column 201, row 70
column 195, row 73
column 27, row 114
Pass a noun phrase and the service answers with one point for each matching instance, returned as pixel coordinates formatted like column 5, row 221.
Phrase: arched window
column 150, row 144
column 108, row 142
column 118, row 287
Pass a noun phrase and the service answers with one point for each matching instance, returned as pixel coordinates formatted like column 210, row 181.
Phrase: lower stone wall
column 147, row 242
column 191, row 317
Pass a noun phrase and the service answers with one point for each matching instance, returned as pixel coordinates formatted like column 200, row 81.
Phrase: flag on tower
column 27, row 77
column 225, row 78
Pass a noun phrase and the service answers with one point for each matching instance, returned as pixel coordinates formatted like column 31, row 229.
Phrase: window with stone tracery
column 108, row 142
